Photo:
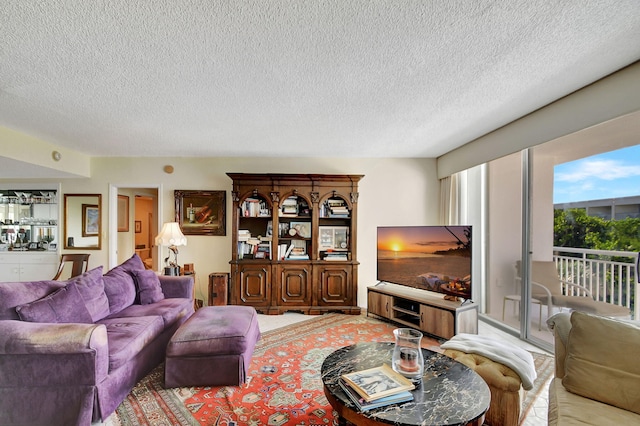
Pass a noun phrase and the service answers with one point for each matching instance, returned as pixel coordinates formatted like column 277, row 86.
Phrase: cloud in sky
column 612, row 174
column 604, row 169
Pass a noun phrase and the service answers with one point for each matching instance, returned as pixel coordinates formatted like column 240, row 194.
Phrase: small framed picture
column 53, row 246
column 33, row 246
column 138, row 226
column 283, row 229
column 90, row 220
column 302, row 229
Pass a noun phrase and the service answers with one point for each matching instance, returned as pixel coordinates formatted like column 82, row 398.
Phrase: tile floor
column 537, row 415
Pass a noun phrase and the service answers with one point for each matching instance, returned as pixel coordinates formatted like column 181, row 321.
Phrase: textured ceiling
column 346, row 78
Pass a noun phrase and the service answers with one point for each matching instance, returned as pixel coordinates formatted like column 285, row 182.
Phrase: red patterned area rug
column 283, row 385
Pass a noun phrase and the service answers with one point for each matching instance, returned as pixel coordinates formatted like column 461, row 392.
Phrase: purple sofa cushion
column 13, row 294
column 91, row 287
column 171, row 310
column 119, row 285
column 128, row 336
column 134, row 263
column 148, row 287
column 64, row 305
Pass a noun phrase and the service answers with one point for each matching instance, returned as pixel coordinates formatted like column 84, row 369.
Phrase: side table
column 196, row 305
column 218, row 288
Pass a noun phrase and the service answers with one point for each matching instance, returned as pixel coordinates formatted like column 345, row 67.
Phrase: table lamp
column 171, row 236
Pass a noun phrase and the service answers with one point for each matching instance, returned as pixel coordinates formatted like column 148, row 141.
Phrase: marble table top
column 450, row 393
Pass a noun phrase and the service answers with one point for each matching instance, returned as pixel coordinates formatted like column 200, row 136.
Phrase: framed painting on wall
column 90, row 220
column 201, row 212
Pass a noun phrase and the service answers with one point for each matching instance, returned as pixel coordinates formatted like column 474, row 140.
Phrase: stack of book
column 289, row 207
column 334, row 255
column 254, row 207
column 244, row 235
column 376, row 387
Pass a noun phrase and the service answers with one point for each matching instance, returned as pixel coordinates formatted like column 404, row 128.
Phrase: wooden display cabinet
column 294, row 245
column 336, row 282
column 294, row 285
column 251, row 285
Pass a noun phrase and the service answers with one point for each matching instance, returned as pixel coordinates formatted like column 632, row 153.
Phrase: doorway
column 144, row 208
column 144, row 219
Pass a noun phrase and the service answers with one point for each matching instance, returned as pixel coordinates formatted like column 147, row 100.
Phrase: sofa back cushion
column 64, row 305
column 148, row 287
column 13, row 294
column 134, row 263
column 119, row 285
column 91, row 288
column 602, row 361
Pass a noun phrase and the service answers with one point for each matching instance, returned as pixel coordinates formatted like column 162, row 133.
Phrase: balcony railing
column 610, row 276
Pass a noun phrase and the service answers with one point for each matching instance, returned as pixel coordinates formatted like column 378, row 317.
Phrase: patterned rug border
column 166, row 407
column 545, row 372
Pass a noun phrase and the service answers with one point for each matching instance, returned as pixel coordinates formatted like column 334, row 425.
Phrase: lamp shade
column 171, row 235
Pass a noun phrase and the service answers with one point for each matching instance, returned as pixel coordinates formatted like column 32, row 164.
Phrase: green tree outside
column 574, row 228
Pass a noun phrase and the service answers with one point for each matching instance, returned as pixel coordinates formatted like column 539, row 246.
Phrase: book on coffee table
column 377, row 382
column 363, row 405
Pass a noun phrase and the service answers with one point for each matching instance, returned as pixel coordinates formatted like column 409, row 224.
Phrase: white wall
column 505, row 230
column 392, row 192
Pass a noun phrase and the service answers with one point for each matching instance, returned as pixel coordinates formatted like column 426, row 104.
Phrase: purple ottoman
column 212, row 348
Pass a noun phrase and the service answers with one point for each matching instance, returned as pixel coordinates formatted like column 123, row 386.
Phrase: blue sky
column 610, row 175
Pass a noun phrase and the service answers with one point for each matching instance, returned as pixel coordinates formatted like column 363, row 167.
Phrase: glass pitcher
column 407, row 356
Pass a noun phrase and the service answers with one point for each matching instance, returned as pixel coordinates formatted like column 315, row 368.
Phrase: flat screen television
column 435, row 258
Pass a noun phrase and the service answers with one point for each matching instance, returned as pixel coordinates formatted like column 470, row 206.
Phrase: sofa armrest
column 560, row 325
column 44, row 354
column 177, row 286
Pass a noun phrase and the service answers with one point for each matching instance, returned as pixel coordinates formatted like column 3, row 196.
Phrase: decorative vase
column 407, row 358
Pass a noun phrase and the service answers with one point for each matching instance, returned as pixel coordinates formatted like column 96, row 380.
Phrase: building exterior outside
column 607, row 208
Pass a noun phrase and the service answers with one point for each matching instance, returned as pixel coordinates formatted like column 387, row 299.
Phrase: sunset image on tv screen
column 427, row 257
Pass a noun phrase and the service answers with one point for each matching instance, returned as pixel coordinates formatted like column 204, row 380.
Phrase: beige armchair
column 547, row 289
column 596, row 371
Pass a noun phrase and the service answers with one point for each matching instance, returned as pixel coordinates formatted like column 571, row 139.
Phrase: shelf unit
column 28, row 219
column 29, row 229
column 422, row 309
column 279, row 261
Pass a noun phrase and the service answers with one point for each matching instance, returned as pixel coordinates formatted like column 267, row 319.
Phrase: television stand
column 424, row 310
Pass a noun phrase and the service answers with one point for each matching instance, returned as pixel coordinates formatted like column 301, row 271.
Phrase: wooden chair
column 79, row 261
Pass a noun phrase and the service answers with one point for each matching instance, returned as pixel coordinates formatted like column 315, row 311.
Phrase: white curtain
column 450, row 200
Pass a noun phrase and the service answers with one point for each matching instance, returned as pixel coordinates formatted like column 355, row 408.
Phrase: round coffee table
column 450, row 393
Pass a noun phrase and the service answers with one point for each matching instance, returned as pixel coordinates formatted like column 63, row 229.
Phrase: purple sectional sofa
column 71, row 351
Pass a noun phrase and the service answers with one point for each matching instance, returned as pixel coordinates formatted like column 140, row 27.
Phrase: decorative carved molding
column 354, row 197
column 235, row 196
column 275, row 196
column 315, row 197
